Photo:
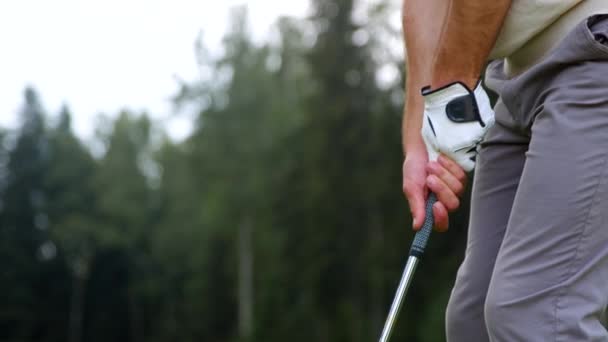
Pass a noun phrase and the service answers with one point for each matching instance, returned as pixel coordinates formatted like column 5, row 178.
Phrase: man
column 536, row 263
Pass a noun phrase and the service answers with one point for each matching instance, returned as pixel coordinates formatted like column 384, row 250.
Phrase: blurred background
column 208, row 171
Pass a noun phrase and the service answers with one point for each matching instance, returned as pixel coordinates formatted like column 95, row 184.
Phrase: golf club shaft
column 404, row 284
column 418, row 246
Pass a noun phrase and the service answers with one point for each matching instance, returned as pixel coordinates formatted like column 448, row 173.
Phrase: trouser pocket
column 598, row 26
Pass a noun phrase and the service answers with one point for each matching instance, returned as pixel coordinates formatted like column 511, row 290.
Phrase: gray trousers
column 536, row 262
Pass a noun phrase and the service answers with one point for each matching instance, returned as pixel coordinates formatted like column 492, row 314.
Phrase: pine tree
column 33, row 275
column 123, row 205
column 71, row 210
column 345, row 182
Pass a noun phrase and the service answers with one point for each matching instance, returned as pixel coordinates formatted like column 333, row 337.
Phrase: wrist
column 415, row 149
column 443, row 80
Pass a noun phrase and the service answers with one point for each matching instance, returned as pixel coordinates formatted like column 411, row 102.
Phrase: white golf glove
column 455, row 121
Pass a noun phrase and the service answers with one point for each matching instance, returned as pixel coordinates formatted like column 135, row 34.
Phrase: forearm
column 421, row 31
column 467, row 38
column 446, row 41
column 412, row 116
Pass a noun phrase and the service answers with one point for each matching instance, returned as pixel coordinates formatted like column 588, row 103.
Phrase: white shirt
column 533, row 27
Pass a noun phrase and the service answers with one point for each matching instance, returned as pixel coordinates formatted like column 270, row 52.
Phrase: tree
column 71, row 211
column 280, row 218
column 241, row 126
column 123, row 205
column 29, row 258
column 342, row 187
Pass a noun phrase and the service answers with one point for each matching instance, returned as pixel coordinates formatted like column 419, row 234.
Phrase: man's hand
column 455, row 120
column 443, row 177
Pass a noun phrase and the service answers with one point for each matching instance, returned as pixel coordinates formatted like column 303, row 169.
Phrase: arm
column 467, row 38
column 421, row 42
column 421, row 45
column 446, row 41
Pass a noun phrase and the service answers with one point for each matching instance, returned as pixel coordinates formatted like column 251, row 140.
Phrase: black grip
column 422, row 237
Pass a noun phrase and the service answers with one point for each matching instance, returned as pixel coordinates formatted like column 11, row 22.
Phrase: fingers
column 415, row 195
column 440, row 213
column 444, row 194
column 448, row 181
column 456, row 185
column 445, row 178
column 452, row 168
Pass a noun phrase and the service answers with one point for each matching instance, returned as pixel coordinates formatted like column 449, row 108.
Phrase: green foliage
column 68, row 182
column 26, row 253
column 124, row 208
column 280, row 218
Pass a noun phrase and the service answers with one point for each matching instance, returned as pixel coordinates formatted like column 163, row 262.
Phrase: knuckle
column 459, row 188
column 453, row 204
column 408, row 188
column 412, row 190
column 461, row 175
column 439, row 170
column 440, row 186
column 448, row 161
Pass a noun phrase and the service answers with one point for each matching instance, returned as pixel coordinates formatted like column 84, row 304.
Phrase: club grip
column 423, row 235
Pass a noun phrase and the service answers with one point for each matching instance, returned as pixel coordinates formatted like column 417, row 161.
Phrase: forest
column 280, row 218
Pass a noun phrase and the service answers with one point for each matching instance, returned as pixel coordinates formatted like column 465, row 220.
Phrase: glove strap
column 460, row 109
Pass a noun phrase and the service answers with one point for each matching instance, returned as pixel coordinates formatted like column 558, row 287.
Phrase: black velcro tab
column 463, row 109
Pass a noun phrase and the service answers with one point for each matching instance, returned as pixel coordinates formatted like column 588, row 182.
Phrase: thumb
column 416, row 201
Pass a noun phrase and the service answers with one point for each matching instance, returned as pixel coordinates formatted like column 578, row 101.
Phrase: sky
column 102, row 56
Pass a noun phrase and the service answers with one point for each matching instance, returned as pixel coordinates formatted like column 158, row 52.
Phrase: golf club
column 416, row 252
